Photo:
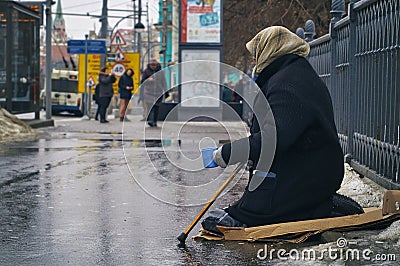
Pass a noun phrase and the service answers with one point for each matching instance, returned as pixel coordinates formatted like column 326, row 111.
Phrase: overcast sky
column 77, row 27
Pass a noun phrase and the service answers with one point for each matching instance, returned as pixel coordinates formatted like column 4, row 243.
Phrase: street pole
column 48, row 59
column 104, row 26
column 148, row 34
column 86, row 101
column 165, row 29
column 139, row 32
column 134, row 23
column 139, row 40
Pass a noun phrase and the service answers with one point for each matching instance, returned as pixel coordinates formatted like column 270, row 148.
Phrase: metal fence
column 359, row 60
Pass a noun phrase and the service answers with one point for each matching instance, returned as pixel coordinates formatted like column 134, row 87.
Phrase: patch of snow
column 11, row 127
column 391, row 233
column 362, row 190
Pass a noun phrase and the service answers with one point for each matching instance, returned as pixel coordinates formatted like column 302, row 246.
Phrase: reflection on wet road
column 74, row 201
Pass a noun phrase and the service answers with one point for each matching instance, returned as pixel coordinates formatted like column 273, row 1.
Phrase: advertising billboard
column 201, row 21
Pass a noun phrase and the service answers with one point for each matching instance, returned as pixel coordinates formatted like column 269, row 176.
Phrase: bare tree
column 244, row 18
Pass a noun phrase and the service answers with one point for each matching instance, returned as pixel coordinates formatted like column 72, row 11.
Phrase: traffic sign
column 93, row 69
column 119, row 55
column 133, row 62
column 90, row 81
column 118, row 69
column 89, row 43
column 118, row 40
column 90, row 50
column 110, row 57
column 92, row 47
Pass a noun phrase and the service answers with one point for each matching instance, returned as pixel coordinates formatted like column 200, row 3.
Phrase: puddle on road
column 152, row 143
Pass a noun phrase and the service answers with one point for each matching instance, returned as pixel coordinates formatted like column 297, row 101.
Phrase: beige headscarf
column 272, row 42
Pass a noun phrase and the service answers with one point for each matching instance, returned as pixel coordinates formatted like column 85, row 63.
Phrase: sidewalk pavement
column 137, row 129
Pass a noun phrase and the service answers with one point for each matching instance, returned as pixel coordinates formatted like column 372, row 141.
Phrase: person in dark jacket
column 96, row 99
column 307, row 165
column 153, row 87
column 106, row 92
column 125, row 87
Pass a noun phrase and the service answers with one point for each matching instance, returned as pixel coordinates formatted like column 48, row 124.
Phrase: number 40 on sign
column 118, row 69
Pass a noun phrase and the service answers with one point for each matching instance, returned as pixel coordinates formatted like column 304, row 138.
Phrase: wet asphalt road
column 71, row 199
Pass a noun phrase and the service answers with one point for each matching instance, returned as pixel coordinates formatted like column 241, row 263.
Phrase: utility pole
column 48, row 58
column 104, row 27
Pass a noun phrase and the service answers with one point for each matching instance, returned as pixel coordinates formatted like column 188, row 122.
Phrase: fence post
column 337, row 11
column 309, row 30
column 352, row 81
column 300, row 32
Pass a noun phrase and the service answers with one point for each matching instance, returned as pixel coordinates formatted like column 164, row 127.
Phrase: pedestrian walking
column 106, row 92
column 125, row 87
column 153, row 90
column 308, row 166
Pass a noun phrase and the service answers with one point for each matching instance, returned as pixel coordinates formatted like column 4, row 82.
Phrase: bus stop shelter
column 19, row 58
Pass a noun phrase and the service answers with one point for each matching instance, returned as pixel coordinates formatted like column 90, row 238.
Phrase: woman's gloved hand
column 217, row 157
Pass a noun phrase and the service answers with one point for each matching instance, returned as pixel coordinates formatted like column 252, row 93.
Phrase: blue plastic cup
column 207, row 154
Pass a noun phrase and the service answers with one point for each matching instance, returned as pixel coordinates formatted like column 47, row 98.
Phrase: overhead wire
column 125, row 1
column 83, row 4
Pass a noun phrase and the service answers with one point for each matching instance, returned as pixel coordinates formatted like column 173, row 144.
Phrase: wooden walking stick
column 182, row 237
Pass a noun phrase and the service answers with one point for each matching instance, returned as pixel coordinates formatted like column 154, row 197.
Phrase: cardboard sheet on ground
column 296, row 232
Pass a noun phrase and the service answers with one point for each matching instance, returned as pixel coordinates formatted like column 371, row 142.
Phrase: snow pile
column 362, row 190
column 11, row 126
column 391, row 233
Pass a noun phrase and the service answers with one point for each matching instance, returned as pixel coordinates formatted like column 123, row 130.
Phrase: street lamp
column 139, row 27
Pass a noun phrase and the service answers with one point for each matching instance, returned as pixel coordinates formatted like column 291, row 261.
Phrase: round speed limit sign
column 118, row 69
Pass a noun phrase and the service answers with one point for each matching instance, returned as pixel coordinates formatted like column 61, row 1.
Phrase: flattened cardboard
column 296, row 232
column 391, row 202
column 273, row 230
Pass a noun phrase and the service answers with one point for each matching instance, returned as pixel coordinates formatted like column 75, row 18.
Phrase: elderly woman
column 307, row 166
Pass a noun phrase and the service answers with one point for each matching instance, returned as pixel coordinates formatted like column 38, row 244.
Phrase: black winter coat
column 105, row 83
column 308, row 160
column 123, row 82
